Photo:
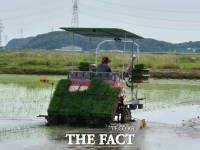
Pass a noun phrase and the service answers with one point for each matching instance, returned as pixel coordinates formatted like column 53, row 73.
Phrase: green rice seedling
column 83, row 103
column 107, row 110
column 72, row 103
column 94, row 86
column 85, row 108
column 104, row 88
column 139, row 72
column 141, row 65
column 69, row 101
column 111, row 99
column 97, row 109
column 62, row 87
column 101, row 98
column 84, row 66
column 56, row 101
column 114, row 90
column 69, row 112
column 54, row 105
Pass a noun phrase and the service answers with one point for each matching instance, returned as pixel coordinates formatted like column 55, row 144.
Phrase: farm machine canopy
column 103, row 32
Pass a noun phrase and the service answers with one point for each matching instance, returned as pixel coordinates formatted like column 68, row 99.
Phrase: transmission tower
column 75, row 13
column 1, row 30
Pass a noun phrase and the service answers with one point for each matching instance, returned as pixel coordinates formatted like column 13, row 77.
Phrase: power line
column 136, row 24
column 170, row 11
column 29, row 6
column 35, row 13
column 42, row 19
column 140, row 16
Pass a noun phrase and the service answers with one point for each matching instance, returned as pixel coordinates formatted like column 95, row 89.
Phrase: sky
column 174, row 21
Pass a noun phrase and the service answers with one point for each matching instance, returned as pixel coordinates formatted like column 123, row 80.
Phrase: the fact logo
column 103, row 139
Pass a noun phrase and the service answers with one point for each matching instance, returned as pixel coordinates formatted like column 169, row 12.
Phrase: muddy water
column 175, row 116
column 171, row 124
column 35, row 135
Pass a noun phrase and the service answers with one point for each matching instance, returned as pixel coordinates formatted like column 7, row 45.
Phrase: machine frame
column 122, row 111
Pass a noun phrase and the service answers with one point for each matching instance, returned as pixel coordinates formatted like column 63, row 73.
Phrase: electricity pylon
column 75, row 21
column 1, row 30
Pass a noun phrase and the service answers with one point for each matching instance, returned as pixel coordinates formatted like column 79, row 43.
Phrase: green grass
column 171, row 60
column 59, row 62
column 171, row 85
column 190, row 65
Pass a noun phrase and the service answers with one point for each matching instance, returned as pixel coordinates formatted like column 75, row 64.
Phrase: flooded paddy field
column 171, row 111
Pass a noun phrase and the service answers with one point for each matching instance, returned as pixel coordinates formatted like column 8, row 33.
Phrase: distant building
column 115, row 51
column 70, row 48
column 192, row 49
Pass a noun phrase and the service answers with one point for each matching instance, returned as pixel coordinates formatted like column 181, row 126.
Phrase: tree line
column 59, row 39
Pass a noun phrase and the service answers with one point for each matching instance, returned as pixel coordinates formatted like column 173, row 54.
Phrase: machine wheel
column 101, row 123
column 55, row 120
column 125, row 115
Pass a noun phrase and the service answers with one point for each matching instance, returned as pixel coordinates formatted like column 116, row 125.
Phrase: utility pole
column 75, row 21
column 1, row 30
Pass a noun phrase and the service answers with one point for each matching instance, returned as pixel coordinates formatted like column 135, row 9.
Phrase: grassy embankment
column 163, row 65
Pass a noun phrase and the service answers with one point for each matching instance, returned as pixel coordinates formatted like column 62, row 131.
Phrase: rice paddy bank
column 155, row 73
column 163, row 65
column 175, row 74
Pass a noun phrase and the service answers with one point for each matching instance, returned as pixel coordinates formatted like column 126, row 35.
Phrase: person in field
column 103, row 67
